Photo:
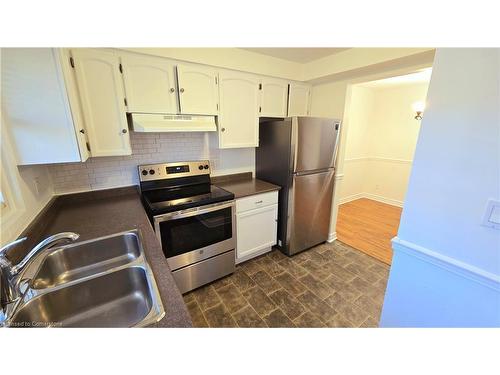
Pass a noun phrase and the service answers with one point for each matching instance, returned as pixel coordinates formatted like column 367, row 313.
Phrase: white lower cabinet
column 256, row 225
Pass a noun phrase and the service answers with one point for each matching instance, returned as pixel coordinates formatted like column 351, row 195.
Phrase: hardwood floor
column 369, row 226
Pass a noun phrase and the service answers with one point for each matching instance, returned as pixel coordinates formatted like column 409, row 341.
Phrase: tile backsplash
column 115, row 171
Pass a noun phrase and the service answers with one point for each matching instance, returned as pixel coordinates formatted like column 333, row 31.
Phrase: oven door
column 192, row 235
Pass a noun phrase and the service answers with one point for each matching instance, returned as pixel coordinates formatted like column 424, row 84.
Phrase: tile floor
column 330, row 285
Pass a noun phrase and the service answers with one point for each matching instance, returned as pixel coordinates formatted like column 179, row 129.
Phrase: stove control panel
column 152, row 172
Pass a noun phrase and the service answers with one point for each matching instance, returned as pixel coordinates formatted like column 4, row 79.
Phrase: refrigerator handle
column 293, row 140
column 315, row 171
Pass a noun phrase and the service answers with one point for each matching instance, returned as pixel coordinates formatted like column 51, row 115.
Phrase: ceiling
column 299, row 55
column 423, row 76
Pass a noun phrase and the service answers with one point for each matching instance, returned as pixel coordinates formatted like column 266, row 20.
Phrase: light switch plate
column 492, row 215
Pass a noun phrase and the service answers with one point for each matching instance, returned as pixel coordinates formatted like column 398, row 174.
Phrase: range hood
column 159, row 123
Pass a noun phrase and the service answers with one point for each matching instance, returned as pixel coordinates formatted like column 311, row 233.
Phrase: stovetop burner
column 165, row 200
column 177, row 186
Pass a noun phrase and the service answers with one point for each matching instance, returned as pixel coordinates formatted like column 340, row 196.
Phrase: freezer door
column 310, row 202
column 314, row 141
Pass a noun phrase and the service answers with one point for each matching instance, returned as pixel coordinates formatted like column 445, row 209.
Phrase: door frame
column 344, row 130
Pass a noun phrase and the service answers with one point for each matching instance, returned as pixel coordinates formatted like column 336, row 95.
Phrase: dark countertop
column 243, row 185
column 100, row 213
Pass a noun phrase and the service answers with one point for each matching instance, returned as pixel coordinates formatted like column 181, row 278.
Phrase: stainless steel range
column 193, row 220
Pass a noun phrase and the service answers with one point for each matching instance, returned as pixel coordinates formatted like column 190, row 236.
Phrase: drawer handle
column 258, row 202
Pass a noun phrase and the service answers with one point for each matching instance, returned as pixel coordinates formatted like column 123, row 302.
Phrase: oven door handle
column 192, row 212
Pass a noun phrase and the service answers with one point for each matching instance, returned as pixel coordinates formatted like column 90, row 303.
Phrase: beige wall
column 328, row 100
column 380, row 142
column 357, row 144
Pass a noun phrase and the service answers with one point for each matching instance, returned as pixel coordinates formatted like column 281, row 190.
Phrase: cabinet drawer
column 256, row 201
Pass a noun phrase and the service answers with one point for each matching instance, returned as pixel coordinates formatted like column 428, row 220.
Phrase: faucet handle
column 10, row 245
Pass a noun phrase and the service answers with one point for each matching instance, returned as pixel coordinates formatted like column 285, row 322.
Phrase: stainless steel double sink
column 105, row 282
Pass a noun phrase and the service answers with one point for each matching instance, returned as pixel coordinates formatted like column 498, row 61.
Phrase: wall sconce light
column 418, row 107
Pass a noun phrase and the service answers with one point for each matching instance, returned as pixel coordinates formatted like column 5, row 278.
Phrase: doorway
column 382, row 132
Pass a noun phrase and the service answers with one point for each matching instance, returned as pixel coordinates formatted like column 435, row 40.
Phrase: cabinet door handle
column 172, row 89
column 258, row 202
column 124, row 131
column 223, row 130
column 181, row 90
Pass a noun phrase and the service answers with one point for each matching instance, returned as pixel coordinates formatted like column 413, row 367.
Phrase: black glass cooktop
column 165, row 200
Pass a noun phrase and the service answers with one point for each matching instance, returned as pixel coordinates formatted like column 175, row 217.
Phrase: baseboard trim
column 378, row 198
column 351, row 198
column 447, row 263
column 331, row 237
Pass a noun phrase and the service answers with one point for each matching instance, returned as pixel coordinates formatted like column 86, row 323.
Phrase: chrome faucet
column 11, row 275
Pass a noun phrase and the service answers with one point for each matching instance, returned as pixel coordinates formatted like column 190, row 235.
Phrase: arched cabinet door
column 238, row 122
column 197, row 90
column 299, row 99
column 149, row 84
column 102, row 97
column 273, row 98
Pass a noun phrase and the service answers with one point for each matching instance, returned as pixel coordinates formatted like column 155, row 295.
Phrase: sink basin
column 86, row 258
column 118, row 299
column 105, row 282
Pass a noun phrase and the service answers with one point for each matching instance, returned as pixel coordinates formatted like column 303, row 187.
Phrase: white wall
column 108, row 172
column 380, row 142
column 446, row 265
column 30, row 189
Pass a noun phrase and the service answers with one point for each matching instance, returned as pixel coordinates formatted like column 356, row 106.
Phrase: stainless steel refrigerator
column 298, row 153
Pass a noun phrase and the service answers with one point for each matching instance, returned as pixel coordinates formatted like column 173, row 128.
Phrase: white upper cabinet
column 197, row 90
column 238, row 122
column 274, row 97
column 299, row 99
column 41, row 117
column 102, row 98
column 149, row 84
